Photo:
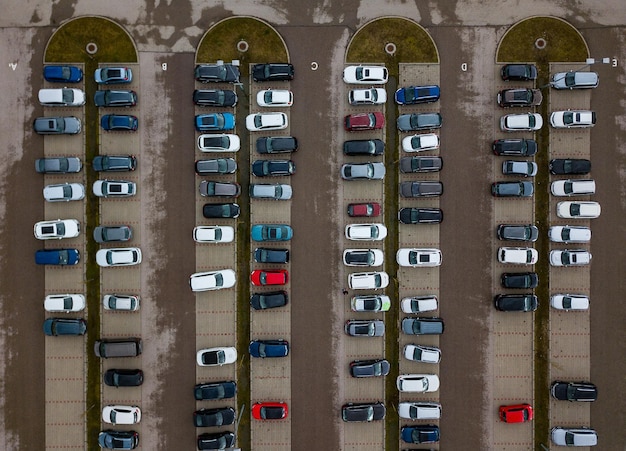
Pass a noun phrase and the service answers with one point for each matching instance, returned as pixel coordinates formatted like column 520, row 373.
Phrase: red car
column 275, row 277
column 269, row 410
column 368, row 209
column 364, row 121
column 517, row 413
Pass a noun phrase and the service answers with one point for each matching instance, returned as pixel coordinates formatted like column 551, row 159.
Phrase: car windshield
column 68, row 95
column 258, row 121
column 574, row 209
column 568, row 117
column 531, row 120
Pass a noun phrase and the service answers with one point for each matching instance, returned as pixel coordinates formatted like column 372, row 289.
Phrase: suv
column 518, row 72
column 63, row 125
column 574, row 391
column 111, row 163
column 521, row 122
column 581, row 436
column 210, row 188
column 418, row 121
column 516, row 302
column 122, row 347
column 276, row 144
column 512, row 189
column 524, row 280
column 576, row 187
column 368, row 280
column 574, row 80
column 364, row 147
column 114, row 188
column 57, row 257
column 218, row 73
column 110, row 98
column 417, row 94
column 421, row 189
column 573, row 119
column 518, row 232
column 514, row 147
column 519, row 97
column 216, row 166
column 567, row 257
column 570, row 166
column 422, row 326
column 215, row 97
column 518, row 255
column 420, row 215
column 420, row 164
column 272, row 72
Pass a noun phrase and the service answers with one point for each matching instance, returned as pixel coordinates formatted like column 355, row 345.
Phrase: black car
column 216, row 166
column 369, row 368
column 217, row 73
column 118, row 439
column 519, row 280
column 570, row 166
column 276, row 144
column 420, row 215
column 222, row 416
column 110, row 98
column 515, row 147
column 272, row 72
column 518, row 72
column 273, row 168
column 268, row 300
column 519, row 97
column 220, row 440
column 111, row 234
column 420, row 164
column 215, row 390
column 215, row 97
column 114, row 163
column 515, row 302
column 221, row 210
column 353, row 412
column 574, row 391
column 517, row 232
column 512, row 189
column 269, row 255
column 364, row 147
column 123, row 378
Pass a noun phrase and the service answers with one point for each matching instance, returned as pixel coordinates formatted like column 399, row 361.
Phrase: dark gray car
column 419, row 121
column 114, row 163
column 353, row 412
column 60, row 165
column 516, row 302
column 221, row 416
column 276, row 144
column 210, row 189
column 109, row 234
column 420, row 215
column 421, row 189
column 216, row 166
column 517, row 232
column 420, row 164
column 220, row 210
column 273, row 168
column 369, row 368
column 215, row 97
column 364, row 147
column 422, row 326
column 269, row 299
column 512, row 189
column 66, row 125
column 269, row 255
column 111, row 98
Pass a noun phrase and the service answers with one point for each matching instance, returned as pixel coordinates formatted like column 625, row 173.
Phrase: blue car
column 417, row 94
column 62, row 74
column 64, row 326
column 428, row 433
column 119, row 122
column 111, row 439
column 215, row 122
column 269, row 348
column 57, row 257
column 271, row 232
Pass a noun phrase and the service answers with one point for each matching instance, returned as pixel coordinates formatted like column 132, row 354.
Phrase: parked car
column 60, row 125
column 276, row 144
column 114, row 188
column 111, row 234
column 124, row 256
column 119, row 122
column 219, row 440
column 269, row 300
column 574, row 391
column 271, row 232
column 273, row 72
column 518, row 255
column 515, row 302
column 420, row 215
column 215, row 97
column 517, row 232
column 269, row 410
column 118, row 347
column 369, row 96
column 64, row 326
column 363, row 171
column 219, row 189
column 570, row 257
column 262, row 278
column 216, row 166
column 268, row 348
column 418, row 383
column 575, row 80
column 57, row 229
column 216, row 73
column 410, row 165
column 257, row 122
column 370, row 303
column 573, row 119
column 420, row 434
column 365, row 75
column 418, row 257
column 419, row 304
column 523, row 280
column 275, row 191
column 569, row 234
column 578, row 210
column 113, row 75
column 364, row 147
column 221, row 355
column 271, row 255
column 120, row 302
column 366, row 232
column 369, row 368
column 58, row 165
column 514, row 147
column 221, row 142
column 365, row 328
column 61, row 97
column 418, row 121
column 212, row 280
column 57, row 257
column 569, row 301
column 521, row 122
column 66, row 303
column 516, row 413
column 512, row 189
column 368, row 209
column 570, row 166
column 364, row 121
column 420, row 143
column 221, row 416
column 423, row 188
column 518, row 72
column 363, row 412
column 62, row 74
column 519, row 97
column 524, row 168
column 114, row 163
column 575, row 187
column 111, row 439
column 412, row 95
column 273, row 168
column 581, row 436
column 422, row 326
column 423, row 354
column 215, row 390
column 123, row 377
column 213, row 234
column 111, row 98
column 419, row 411
column 274, row 98
column 214, row 122
column 121, row 414
column 368, row 280
column 362, row 257
column 229, row 210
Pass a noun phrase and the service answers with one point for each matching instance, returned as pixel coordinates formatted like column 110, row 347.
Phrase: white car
column 121, row 414
column 569, row 302
column 64, row 303
column 518, row 255
column 569, row 234
column 570, row 257
column 213, row 234
column 63, row 192
column 274, row 97
column 266, row 121
column 420, row 143
column 370, row 96
column 368, row 280
column 123, row 302
column 521, row 122
column 575, row 187
column 418, row 257
column 366, row 232
column 370, row 303
column 419, row 410
column 573, row 119
column 122, row 256
column 581, row 436
column 61, row 97
column 424, row 354
column 212, row 280
column 418, row 383
column 363, row 257
column 56, row 230
column 419, row 304
column 365, row 75
column 220, row 142
column 578, row 210
column 219, row 356
column 114, row 188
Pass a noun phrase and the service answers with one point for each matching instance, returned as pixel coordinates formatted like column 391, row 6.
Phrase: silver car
column 363, row 171
column 276, row 191
column 365, row 328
